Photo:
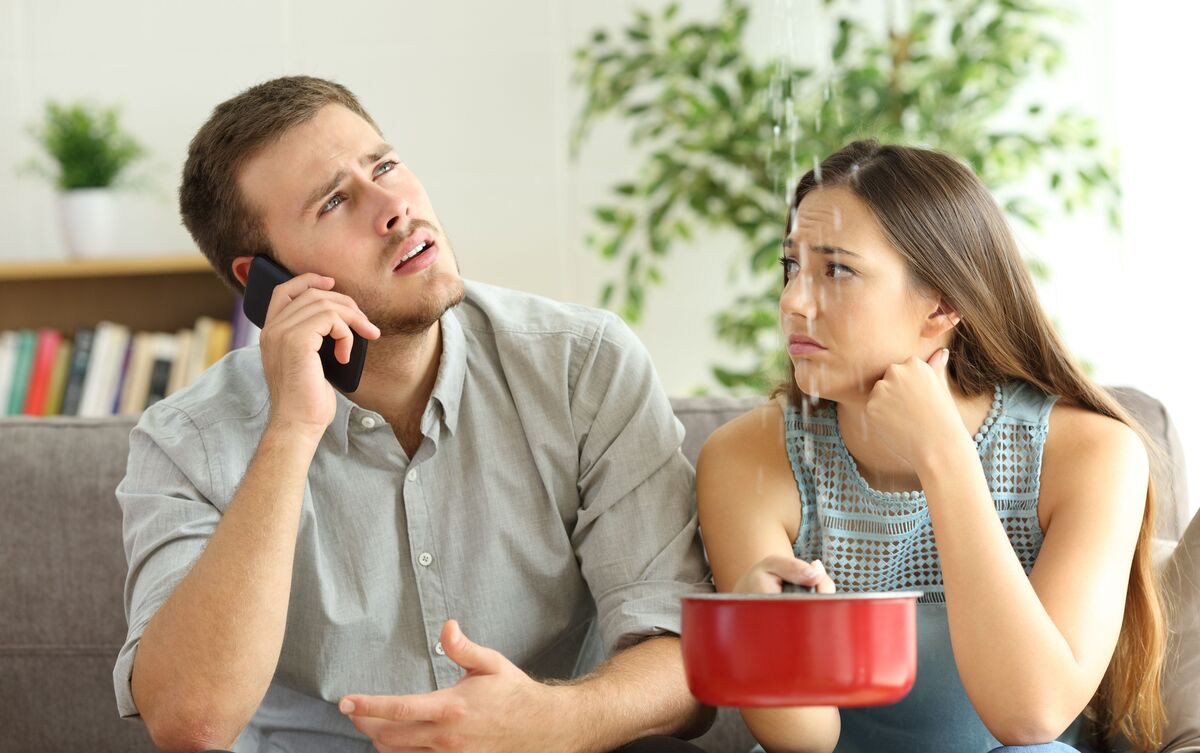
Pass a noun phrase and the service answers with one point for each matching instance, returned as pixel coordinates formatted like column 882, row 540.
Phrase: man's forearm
column 642, row 691
column 207, row 657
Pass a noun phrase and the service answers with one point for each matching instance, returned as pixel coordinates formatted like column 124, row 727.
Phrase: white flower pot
column 89, row 221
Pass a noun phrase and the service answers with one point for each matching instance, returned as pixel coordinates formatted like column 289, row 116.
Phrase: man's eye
column 385, row 167
column 333, row 203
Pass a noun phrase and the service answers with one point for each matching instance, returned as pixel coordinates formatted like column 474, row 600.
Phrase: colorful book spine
column 219, row 339
column 93, row 381
column 137, row 376
column 43, row 364
column 179, row 367
column 162, row 357
column 119, row 374
column 58, row 377
column 26, row 343
column 201, row 334
column 81, row 355
column 8, row 361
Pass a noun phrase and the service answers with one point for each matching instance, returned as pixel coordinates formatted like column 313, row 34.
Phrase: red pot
column 800, row 649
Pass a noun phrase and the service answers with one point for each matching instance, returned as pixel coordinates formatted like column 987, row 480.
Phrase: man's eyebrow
column 375, row 154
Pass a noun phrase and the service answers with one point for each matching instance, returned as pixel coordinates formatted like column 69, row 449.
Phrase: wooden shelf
column 155, row 293
column 115, row 267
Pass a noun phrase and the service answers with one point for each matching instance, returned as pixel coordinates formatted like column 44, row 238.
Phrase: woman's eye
column 790, row 267
column 838, row 270
column 333, row 203
column 385, row 167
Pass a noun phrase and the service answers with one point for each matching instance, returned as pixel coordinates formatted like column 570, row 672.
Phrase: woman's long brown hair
column 956, row 241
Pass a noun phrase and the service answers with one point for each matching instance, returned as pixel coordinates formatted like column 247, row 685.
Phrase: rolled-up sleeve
column 636, row 534
column 167, row 521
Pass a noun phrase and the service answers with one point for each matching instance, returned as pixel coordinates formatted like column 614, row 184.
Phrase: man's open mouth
column 419, row 249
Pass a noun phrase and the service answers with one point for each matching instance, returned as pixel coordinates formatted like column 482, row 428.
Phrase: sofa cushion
column 62, row 573
column 1181, row 681
column 62, row 570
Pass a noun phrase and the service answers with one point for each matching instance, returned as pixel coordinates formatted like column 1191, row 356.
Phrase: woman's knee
column 1052, row 747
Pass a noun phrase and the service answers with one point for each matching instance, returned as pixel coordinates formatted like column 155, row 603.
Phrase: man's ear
column 241, row 268
column 943, row 319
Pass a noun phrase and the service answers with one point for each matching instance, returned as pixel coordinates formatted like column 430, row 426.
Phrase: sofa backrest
column 62, row 568
column 701, row 415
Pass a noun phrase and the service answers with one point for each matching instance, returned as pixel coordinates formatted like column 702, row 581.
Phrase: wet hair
column 954, row 240
column 224, row 224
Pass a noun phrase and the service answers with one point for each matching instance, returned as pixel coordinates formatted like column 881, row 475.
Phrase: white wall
column 476, row 96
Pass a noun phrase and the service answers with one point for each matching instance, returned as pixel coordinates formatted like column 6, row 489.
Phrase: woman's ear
column 942, row 320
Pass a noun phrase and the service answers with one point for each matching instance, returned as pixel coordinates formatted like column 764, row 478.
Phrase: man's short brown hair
column 221, row 221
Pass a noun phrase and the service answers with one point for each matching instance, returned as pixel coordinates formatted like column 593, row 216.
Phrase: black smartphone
column 265, row 274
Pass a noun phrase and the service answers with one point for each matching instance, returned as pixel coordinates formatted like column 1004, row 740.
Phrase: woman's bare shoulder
column 744, row 477
column 1086, row 450
column 747, row 436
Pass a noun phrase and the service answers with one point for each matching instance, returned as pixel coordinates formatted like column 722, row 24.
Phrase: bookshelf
column 154, row 293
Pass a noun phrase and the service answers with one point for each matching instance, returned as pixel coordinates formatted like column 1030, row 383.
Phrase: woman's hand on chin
column 912, row 411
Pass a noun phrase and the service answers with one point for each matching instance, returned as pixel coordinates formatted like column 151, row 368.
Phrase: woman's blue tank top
column 883, row 541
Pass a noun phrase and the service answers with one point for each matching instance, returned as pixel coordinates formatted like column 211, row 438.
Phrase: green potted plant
column 90, row 152
column 723, row 136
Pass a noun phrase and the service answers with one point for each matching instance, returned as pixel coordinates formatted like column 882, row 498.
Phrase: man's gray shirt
column 548, row 497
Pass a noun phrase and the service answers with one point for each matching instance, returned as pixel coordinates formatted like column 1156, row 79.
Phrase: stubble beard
column 442, row 292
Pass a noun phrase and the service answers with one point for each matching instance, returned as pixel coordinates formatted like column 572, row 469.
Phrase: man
column 305, row 567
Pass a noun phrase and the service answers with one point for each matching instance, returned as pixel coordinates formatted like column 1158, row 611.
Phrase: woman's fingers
column 824, row 584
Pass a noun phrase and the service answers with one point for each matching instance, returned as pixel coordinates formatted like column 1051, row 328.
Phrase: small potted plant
column 90, row 152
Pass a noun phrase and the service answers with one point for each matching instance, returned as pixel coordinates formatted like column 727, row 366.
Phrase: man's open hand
column 495, row 708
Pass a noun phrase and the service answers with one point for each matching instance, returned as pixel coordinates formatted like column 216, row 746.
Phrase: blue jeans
column 1054, row 747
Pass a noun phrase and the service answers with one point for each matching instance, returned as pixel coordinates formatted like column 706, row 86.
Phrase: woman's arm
column 1032, row 651
column 749, row 517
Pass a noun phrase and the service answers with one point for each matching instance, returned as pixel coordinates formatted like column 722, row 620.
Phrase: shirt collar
column 447, row 390
column 452, row 371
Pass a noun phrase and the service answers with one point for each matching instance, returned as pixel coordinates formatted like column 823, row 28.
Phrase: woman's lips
column 799, row 345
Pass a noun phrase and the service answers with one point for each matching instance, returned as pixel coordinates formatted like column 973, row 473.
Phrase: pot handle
column 794, row 588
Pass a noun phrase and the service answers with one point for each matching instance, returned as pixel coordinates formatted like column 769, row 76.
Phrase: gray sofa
column 62, row 568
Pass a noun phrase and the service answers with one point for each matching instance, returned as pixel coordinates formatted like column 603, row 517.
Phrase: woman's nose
column 799, row 296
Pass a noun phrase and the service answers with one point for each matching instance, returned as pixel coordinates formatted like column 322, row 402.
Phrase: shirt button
column 439, row 650
column 368, row 422
column 412, row 475
column 426, row 559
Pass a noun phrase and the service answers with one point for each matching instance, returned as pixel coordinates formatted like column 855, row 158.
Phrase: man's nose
column 393, row 213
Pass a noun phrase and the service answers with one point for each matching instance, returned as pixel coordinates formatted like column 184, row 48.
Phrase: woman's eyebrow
column 827, row 250
column 831, row 250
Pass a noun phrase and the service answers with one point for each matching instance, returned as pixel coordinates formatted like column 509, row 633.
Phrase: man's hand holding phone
column 302, row 312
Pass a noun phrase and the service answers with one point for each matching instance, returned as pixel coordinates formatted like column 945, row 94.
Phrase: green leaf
column 721, row 96
column 607, row 215
column 843, row 39
column 720, row 135
column 87, row 143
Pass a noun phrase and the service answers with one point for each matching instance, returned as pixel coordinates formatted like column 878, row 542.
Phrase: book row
column 108, row 369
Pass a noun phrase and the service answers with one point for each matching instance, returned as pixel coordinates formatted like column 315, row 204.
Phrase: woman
column 936, row 435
